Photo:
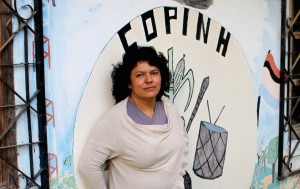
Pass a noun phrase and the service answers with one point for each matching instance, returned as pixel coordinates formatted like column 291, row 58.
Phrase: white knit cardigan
column 139, row 157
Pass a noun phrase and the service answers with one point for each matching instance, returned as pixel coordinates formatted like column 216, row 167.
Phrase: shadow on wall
column 200, row 4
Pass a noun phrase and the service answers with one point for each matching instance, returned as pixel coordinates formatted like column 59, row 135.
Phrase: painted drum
column 210, row 151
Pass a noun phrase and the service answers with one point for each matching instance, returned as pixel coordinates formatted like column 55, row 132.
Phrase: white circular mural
column 212, row 90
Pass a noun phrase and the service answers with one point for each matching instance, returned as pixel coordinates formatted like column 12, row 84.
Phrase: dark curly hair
column 122, row 70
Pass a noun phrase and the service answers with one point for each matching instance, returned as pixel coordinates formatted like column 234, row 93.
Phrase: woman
column 141, row 137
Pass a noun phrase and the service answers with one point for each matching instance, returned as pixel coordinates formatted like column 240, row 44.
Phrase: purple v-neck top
column 159, row 117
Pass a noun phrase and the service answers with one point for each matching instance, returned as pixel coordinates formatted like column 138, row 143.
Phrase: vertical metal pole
column 28, row 101
column 40, row 82
column 282, row 87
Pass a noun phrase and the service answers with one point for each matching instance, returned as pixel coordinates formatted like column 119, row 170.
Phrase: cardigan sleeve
column 104, row 143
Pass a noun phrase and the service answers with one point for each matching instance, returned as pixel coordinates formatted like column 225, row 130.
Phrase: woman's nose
column 148, row 78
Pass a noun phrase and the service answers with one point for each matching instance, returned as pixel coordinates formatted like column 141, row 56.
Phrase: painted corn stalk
column 179, row 78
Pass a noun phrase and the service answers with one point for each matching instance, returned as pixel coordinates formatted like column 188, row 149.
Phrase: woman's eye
column 139, row 75
column 155, row 73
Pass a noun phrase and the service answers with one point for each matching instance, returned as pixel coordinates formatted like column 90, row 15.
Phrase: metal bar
column 18, row 64
column 292, row 130
column 282, row 86
column 294, row 20
column 19, row 145
column 292, row 52
column 295, row 75
column 17, row 14
column 293, row 173
column 294, row 149
column 15, row 33
column 17, row 94
column 28, row 113
column 18, row 116
column 38, row 174
column 23, row 174
column 11, row 89
column 295, row 62
column 286, row 163
column 40, row 82
column 12, row 124
column 292, row 97
column 292, row 112
column 12, row 106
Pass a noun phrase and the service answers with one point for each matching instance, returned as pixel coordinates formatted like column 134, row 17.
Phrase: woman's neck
column 146, row 106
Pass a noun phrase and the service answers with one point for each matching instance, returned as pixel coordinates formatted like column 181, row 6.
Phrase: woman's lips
column 149, row 88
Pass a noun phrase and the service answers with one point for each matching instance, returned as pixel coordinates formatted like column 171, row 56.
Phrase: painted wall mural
column 225, row 64
column 216, row 69
column 267, row 151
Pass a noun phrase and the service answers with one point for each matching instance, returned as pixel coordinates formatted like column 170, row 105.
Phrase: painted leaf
column 273, row 150
column 178, row 75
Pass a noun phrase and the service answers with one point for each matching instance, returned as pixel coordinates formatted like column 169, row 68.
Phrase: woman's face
column 145, row 81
